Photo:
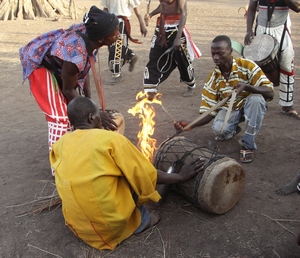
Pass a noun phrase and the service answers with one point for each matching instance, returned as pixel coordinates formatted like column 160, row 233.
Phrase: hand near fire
column 107, row 121
column 180, row 125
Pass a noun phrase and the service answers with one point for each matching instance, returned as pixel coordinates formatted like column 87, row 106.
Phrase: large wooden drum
column 217, row 188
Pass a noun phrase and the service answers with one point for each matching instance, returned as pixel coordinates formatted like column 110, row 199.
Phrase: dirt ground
column 261, row 224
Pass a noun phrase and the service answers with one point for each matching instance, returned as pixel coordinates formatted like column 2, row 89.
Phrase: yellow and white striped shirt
column 216, row 87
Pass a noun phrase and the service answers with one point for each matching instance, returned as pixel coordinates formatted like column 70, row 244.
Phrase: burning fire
column 146, row 113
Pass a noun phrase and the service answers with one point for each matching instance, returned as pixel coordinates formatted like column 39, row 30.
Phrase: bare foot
column 189, row 92
column 290, row 187
column 154, row 220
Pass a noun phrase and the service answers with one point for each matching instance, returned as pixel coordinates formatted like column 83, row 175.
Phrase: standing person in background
column 273, row 19
column 57, row 67
column 119, row 52
column 171, row 47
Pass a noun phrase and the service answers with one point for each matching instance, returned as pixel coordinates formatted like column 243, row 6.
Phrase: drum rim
column 273, row 52
column 207, row 175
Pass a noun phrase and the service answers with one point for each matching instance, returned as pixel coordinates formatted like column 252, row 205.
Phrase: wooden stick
column 148, row 11
column 233, row 96
column 101, row 83
column 56, row 255
column 206, row 113
column 99, row 87
column 168, row 113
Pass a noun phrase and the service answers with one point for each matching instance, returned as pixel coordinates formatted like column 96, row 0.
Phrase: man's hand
column 143, row 30
column 180, row 125
column 248, row 38
column 240, row 87
column 186, row 172
column 177, row 44
column 107, row 121
column 192, row 169
column 147, row 18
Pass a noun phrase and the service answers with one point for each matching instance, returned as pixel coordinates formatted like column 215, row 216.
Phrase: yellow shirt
column 96, row 173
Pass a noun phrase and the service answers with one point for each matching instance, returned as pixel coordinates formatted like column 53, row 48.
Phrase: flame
column 147, row 113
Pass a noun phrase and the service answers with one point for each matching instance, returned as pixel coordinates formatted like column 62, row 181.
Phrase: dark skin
column 221, row 53
column 170, row 7
column 70, row 71
column 70, row 75
column 252, row 7
column 293, row 5
column 143, row 28
column 187, row 171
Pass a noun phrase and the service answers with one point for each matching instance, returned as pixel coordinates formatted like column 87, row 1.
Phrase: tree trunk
column 31, row 9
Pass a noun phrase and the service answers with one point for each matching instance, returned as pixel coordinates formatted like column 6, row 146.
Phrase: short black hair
column 222, row 38
column 79, row 109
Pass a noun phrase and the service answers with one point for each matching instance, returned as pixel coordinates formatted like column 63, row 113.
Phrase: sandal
column 246, row 156
column 291, row 113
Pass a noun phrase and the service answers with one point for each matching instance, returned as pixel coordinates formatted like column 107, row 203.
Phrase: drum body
column 217, row 188
column 263, row 50
column 119, row 119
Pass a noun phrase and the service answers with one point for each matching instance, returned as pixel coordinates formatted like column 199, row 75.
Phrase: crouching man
column 104, row 180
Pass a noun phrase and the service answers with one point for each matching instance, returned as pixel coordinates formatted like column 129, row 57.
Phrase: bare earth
column 261, row 224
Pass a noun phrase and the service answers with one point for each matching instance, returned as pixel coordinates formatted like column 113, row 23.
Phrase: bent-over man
column 57, row 66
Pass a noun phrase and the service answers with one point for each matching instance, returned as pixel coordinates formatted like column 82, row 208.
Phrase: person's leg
column 117, row 54
column 127, row 53
column 148, row 219
column 286, row 84
column 231, row 128
column 185, row 67
column 254, row 111
column 132, row 60
column 152, row 75
column 52, row 102
column 291, row 187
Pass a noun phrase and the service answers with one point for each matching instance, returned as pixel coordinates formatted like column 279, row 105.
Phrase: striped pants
column 52, row 102
column 286, row 64
column 119, row 52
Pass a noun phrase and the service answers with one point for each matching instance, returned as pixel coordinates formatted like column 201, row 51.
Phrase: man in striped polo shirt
column 252, row 88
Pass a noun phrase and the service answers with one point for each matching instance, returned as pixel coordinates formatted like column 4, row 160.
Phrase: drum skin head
column 260, row 48
column 221, row 186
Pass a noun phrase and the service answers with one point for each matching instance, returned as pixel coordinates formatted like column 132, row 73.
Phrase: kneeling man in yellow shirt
column 104, row 180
